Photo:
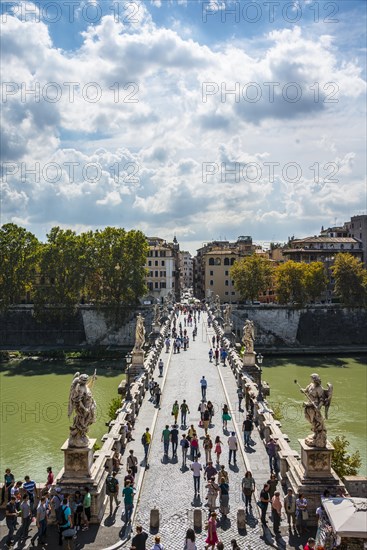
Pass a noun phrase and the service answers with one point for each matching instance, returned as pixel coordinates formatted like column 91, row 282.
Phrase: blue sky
column 200, row 119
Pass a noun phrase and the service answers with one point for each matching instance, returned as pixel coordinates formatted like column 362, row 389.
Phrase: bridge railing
column 263, row 415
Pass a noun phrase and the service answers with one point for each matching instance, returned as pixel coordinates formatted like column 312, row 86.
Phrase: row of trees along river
column 108, row 267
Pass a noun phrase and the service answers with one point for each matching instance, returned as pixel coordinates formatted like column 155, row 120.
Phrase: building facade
column 186, row 270
column 163, row 269
column 323, row 249
column 357, row 228
column 212, row 267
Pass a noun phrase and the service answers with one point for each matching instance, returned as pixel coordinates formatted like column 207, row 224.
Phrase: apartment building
column 186, row 270
column 163, row 269
column 212, row 266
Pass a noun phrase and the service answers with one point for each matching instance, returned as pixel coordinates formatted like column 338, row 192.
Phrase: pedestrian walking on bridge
column 166, row 436
column 204, row 385
column 184, row 410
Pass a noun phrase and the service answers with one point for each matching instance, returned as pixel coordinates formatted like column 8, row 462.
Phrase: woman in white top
column 190, row 540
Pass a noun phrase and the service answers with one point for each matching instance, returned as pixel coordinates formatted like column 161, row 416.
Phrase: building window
column 211, row 273
column 150, row 286
column 163, row 284
column 226, row 273
column 211, row 261
column 226, row 293
column 211, row 282
column 163, row 254
column 163, row 274
column 226, row 282
column 226, row 261
column 233, row 260
column 156, row 274
column 233, row 293
column 163, row 263
column 149, row 263
column 218, row 261
column 173, row 284
column 156, row 285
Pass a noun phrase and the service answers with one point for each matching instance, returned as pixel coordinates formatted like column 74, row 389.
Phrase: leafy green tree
column 19, row 251
column 343, row 463
column 315, row 280
column 252, row 275
column 113, row 407
column 290, row 282
column 63, row 264
column 350, row 280
column 118, row 267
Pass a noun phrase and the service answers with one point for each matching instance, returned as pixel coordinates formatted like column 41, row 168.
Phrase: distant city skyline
column 187, row 118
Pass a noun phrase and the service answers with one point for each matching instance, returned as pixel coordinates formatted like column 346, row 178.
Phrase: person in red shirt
column 310, row 544
column 50, row 477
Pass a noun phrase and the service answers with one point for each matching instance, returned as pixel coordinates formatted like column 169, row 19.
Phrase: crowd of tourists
column 201, row 451
column 24, row 506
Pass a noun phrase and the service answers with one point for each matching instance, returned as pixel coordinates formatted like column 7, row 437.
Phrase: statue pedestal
column 156, row 328
column 316, row 461
column 249, row 359
column 83, row 469
column 137, row 364
column 227, row 329
column 78, row 461
column 312, row 475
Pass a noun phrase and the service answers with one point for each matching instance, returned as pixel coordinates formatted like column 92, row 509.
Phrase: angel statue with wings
column 81, row 402
column 318, row 397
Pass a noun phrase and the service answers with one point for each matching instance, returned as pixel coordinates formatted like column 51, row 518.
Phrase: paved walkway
column 169, row 487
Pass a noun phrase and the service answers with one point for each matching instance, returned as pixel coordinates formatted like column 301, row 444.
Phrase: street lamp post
column 260, row 359
column 128, row 360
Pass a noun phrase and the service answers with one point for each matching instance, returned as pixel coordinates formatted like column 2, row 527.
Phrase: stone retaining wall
column 311, row 326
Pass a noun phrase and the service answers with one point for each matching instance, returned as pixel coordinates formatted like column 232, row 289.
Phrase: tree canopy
column 105, row 267
column 350, row 280
column 252, row 275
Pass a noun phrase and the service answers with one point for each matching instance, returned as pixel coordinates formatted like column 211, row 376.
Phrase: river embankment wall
column 276, row 328
column 314, row 327
column 88, row 326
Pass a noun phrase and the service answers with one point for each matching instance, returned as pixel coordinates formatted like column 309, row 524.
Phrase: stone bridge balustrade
column 295, row 471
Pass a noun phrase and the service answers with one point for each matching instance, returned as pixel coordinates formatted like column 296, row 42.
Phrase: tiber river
column 34, row 398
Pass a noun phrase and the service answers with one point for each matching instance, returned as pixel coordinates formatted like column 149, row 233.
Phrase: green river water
column 34, row 397
column 348, row 410
column 34, row 422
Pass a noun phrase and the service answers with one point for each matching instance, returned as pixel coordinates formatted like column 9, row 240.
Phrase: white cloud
column 169, row 133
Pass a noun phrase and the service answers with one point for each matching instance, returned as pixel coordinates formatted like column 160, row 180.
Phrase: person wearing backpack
column 184, row 447
column 112, row 489
column 66, row 522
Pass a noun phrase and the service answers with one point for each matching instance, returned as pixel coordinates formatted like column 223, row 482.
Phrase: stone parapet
column 309, row 473
column 84, row 467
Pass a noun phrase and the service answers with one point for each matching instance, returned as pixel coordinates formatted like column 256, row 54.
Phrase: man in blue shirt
column 30, row 486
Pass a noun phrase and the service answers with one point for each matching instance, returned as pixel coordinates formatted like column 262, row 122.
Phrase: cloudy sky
column 198, row 119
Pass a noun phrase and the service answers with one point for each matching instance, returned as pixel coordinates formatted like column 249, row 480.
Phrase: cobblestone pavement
column 167, row 485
